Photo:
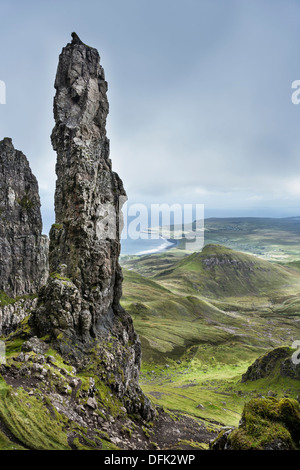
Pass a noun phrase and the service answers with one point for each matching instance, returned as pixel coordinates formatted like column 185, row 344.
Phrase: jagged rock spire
column 80, row 305
column 23, row 248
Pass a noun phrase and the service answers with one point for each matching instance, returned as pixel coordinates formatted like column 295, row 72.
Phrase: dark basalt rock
column 265, row 365
column 23, row 248
column 79, row 308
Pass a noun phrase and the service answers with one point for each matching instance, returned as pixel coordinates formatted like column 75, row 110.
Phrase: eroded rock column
column 79, row 308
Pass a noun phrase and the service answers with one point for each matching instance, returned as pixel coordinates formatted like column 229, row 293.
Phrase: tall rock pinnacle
column 88, row 192
column 79, row 308
column 23, row 248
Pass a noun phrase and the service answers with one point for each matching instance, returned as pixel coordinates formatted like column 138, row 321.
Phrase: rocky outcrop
column 23, row 248
column 278, row 359
column 12, row 314
column 79, row 309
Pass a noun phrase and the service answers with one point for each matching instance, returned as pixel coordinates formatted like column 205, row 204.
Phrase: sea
column 145, row 246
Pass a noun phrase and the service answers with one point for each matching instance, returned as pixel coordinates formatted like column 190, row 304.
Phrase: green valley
column 204, row 318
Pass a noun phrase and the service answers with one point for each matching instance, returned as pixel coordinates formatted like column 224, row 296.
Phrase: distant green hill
column 219, row 272
column 168, row 323
column 214, row 297
column 274, row 239
column 203, row 319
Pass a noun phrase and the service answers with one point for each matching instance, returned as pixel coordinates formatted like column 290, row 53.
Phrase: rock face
column 23, row 248
column 79, row 307
column 280, row 358
column 11, row 315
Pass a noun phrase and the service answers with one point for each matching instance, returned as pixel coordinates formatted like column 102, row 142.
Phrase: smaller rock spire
column 23, row 248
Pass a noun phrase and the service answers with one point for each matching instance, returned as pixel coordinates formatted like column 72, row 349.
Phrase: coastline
column 174, row 243
column 165, row 245
column 169, row 243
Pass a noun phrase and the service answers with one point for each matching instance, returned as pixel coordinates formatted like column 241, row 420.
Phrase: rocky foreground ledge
column 46, row 404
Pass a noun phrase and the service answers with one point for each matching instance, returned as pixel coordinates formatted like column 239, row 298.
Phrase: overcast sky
column 199, row 92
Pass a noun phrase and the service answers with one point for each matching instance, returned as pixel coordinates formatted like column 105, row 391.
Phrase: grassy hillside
column 169, row 324
column 274, row 239
column 203, row 319
column 217, row 272
column 217, row 297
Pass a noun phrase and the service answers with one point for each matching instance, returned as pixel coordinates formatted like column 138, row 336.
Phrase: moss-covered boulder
column 266, row 424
